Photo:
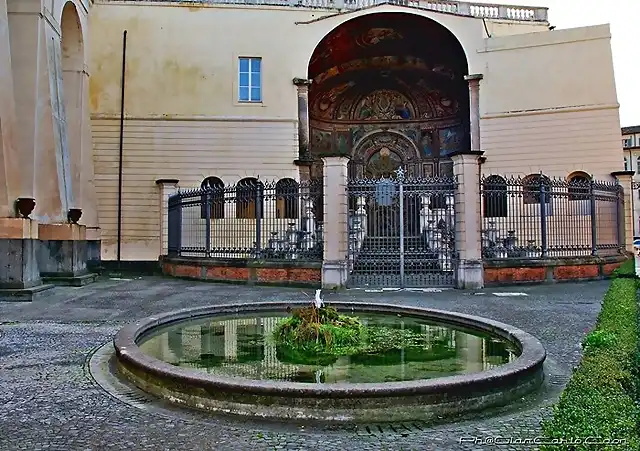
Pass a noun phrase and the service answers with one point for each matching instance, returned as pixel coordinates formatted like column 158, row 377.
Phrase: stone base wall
column 19, row 264
column 244, row 271
column 506, row 272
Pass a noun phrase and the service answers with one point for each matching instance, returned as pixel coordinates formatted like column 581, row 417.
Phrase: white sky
column 624, row 17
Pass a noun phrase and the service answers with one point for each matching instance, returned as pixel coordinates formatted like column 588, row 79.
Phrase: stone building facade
column 272, row 90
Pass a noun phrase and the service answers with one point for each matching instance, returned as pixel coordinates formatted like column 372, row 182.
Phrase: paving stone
column 49, row 401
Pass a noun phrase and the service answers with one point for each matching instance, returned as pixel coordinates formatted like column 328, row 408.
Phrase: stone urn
column 25, row 206
column 74, row 215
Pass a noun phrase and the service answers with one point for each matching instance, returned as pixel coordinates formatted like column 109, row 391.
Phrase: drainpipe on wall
column 120, row 150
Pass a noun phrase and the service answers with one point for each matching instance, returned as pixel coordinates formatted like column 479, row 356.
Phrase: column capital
column 335, row 160
column 622, row 175
column 473, row 77
column 467, row 156
column 302, row 82
column 167, row 181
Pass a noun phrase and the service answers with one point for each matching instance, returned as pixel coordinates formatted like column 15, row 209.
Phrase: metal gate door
column 401, row 232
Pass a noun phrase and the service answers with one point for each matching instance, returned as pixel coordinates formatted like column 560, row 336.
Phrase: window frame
column 250, row 86
column 495, row 199
column 217, row 190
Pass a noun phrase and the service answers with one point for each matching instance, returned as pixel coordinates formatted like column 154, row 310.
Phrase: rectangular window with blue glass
column 250, row 79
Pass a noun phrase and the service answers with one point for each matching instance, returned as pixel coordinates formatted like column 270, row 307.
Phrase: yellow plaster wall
column 548, row 102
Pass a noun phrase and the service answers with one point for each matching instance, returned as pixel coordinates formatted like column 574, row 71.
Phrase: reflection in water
column 242, row 347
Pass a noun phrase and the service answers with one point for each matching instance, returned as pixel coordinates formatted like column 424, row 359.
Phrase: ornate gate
column 401, row 231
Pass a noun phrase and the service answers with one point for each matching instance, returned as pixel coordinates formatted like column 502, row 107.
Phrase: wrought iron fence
column 540, row 217
column 252, row 219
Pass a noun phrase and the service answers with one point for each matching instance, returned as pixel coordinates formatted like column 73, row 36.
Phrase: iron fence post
column 179, row 228
column 594, row 226
column 259, row 197
column 619, row 216
column 543, row 218
column 401, row 195
column 207, row 225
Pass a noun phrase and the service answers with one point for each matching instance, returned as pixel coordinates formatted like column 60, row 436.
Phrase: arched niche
column 375, row 72
column 73, row 98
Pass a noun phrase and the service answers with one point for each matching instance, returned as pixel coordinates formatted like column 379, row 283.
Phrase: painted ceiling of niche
column 388, row 41
column 406, row 64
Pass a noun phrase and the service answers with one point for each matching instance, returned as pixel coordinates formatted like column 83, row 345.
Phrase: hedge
column 626, row 270
column 600, row 398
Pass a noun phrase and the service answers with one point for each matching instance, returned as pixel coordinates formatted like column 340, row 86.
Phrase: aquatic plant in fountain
column 317, row 333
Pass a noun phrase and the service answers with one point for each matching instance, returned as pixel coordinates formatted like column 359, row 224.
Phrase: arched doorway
column 73, row 74
column 389, row 91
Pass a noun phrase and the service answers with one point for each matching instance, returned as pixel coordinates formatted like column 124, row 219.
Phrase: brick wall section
column 517, row 272
column 226, row 273
column 291, row 274
column 607, row 270
column 497, row 276
column 250, row 272
column 192, row 272
column 576, row 272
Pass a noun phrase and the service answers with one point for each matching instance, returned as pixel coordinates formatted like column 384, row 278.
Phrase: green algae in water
column 396, row 349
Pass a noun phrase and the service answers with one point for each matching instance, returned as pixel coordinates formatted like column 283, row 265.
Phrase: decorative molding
column 162, row 117
column 557, row 110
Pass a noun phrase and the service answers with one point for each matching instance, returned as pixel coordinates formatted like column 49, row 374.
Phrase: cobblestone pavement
column 49, row 401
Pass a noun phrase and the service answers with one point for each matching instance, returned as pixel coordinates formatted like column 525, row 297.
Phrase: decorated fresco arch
column 388, row 89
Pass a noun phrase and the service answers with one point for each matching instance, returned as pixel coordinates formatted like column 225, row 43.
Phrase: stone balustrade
column 481, row 10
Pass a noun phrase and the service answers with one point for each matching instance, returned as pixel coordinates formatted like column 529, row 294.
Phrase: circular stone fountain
column 221, row 358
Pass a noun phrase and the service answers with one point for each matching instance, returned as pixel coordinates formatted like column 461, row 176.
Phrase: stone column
column 42, row 135
column 63, row 254
column 19, row 273
column 336, row 212
column 474, row 110
column 10, row 170
column 304, row 158
column 625, row 178
column 470, row 273
column 168, row 187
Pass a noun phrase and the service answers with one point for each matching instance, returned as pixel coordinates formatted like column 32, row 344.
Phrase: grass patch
column 599, row 401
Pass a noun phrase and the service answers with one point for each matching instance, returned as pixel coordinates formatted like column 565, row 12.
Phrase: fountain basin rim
column 530, row 361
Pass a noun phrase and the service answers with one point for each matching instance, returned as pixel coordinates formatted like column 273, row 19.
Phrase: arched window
column 579, row 186
column 531, row 189
column 214, row 191
column 287, row 195
column 249, row 198
column 494, row 197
